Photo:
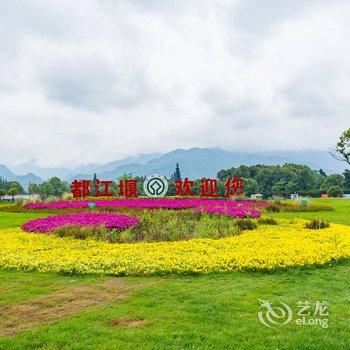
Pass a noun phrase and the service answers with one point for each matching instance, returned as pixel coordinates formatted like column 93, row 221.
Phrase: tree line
column 284, row 180
column 10, row 188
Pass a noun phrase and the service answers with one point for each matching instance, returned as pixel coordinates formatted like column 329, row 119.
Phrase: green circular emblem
column 155, row 186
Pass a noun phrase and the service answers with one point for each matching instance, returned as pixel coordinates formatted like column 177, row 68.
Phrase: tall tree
column 13, row 191
column 177, row 173
column 346, row 174
column 321, row 172
column 93, row 186
column 342, row 149
column 33, row 189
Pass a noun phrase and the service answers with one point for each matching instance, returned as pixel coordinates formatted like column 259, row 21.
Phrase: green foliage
column 93, row 185
column 346, row 178
column 273, row 208
column 333, row 180
column 53, row 187
column 246, row 224
column 316, row 224
column 283, row 180
column 177, row 173
column 335, row 191
column 173, row 225
column 13, row 191
column 79, row 232
column 250, row 186
column 297, row 208
column 33, row 189
column 6, row 185
column 343, row 147
column 267, row 221
column 321, row 172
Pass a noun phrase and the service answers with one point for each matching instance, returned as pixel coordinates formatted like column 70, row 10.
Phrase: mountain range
column 24, row 180
column 194, row 163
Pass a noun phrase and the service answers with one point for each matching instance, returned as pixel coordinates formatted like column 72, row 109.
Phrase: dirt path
column 49, row 308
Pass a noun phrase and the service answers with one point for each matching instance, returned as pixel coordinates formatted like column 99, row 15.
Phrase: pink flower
column 150, row 203
column 108, row 220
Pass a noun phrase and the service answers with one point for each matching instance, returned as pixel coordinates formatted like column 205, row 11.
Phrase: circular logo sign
column 155, row 186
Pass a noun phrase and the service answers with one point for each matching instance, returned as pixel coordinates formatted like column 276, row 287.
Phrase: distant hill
column 24, row 180
column 206, row 162
column 194, row 163
column 66, row 173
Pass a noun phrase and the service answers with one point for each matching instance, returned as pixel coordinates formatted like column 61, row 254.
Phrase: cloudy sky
column 93, row 81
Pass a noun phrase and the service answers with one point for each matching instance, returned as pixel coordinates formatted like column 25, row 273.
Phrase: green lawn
column 10, row 220
column 217, row 311
column 341, row 215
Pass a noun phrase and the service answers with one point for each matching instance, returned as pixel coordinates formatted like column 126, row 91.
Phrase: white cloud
column 93, row 81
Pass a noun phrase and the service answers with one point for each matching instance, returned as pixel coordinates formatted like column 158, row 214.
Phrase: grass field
column 216, row 311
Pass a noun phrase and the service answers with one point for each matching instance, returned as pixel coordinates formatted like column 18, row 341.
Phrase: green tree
column 93, row 186
column 279, row 188
column 321, row 172
column 33, row 189
column 333, row 180
column 277, row 179
column 125, row 176
column 46, row 190
column 291, row 187
column 2, row 192
column 335, row 191
column 15, row 184
column 250, row 186
column 13, row 191
column 177, row 173
column 346, row 174
column 58, row 186
column 342, row 149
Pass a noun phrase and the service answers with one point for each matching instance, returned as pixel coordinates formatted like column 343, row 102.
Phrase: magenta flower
column 148, row 203
column 108, row 220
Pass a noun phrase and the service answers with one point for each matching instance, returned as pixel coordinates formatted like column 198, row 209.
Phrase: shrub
column 277, row 200
column 246, row 224
column 335, row 191
column 273, row 208
column 301, row 208
column 316, row 224
column 267, row 221
column 67, row 196
column 97, row 232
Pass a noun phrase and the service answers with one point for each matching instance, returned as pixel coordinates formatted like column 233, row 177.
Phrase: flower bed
column 267, row 248
column 231, row 208
column 236, row 212
column 147, row 203
column 108, row 220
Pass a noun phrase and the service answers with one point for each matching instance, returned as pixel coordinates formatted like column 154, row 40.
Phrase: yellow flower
column 288, row 244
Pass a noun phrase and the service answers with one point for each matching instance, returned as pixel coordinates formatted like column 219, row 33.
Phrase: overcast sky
column 93, row 81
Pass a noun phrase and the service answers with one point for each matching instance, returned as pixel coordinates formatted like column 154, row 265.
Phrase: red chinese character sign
column 128, row 188
column 104, row 186
column 80, row 188
column 234, row 187
column 209, row 188
column 157, row 186
column 184, row 187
